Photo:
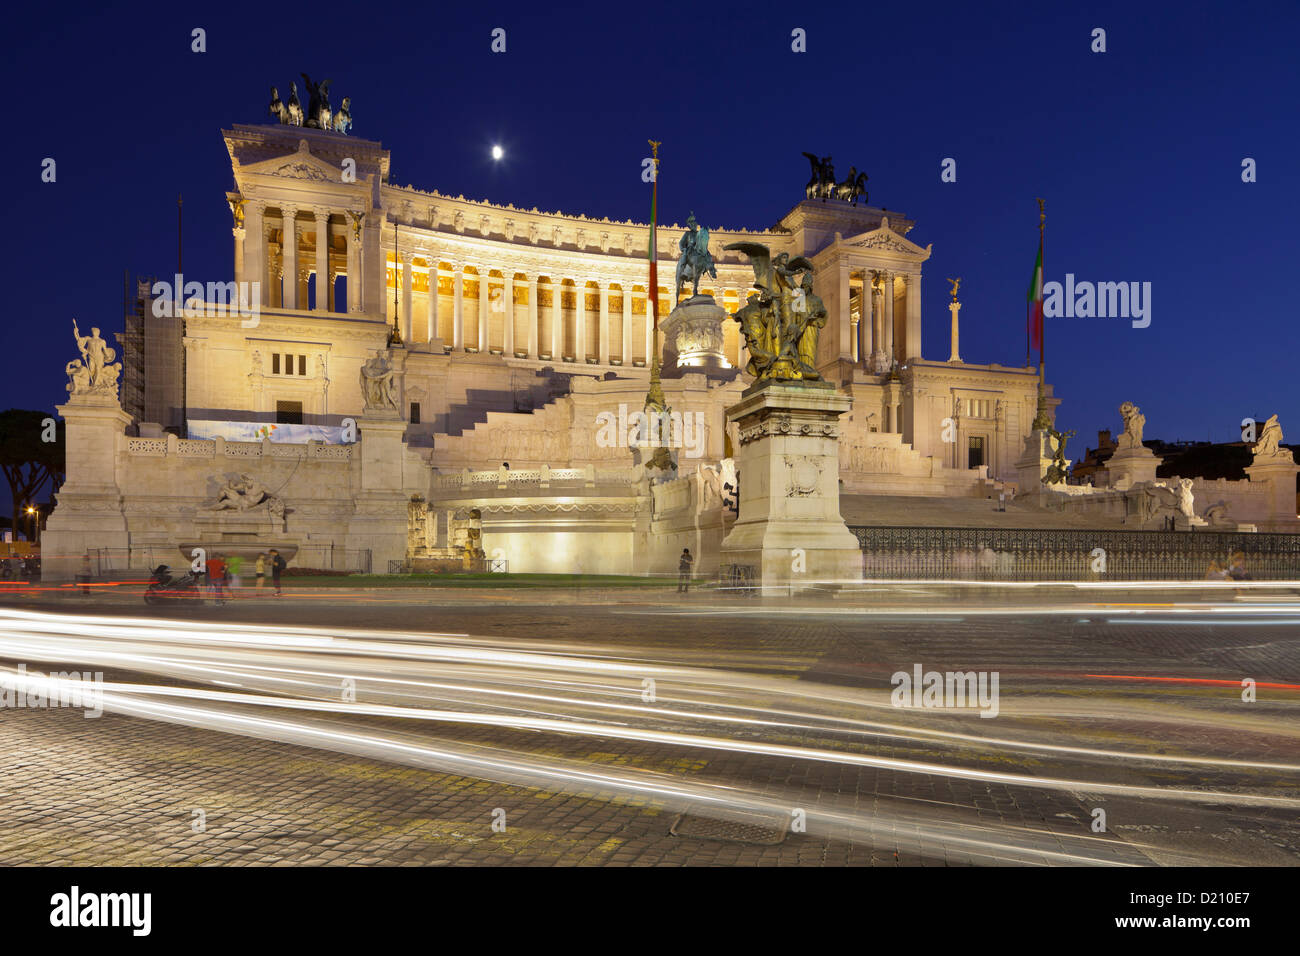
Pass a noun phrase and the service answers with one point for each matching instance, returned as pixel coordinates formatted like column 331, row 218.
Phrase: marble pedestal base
column 1279, row 475
column 693, row 339
column 1129, row 466
column 789, row 528
column 1034, row 463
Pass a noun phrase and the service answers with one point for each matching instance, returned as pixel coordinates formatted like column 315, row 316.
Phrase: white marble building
column 510, row 331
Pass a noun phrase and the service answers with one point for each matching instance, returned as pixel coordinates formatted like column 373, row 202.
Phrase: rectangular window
column 288, row 413
column 302, row 365
column 415, row 413
column 275, row 362
column 975, row 452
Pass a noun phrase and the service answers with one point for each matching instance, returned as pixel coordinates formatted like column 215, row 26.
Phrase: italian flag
column 1034, row 321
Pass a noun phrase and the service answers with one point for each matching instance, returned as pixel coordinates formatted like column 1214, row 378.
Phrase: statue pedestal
column 1034, row 463
column 789, row 528
column 88, row 513
column 1129, row 466
column 379, row 518
column 693, row 336
column 1279, row 474
column 234, row 525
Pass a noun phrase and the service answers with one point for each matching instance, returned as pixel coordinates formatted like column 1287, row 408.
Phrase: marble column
column 889, row 319
column 557, row 318
column 845, row 334
column 954, row 307
column 867, row 320
column 354, row 266
column 432, row 317
column 458, row 307
column 603, row 346
column 580, row 323
column 322, row 258
column 408, row 325
column 289, row 255
column 274, row 296
column 508, row 313
column 272, row 267
column 241, row 236
column 484, row 290
column 878, row 359
column 912, row 344
column 625, row 350
column 534, row 318
column 353, row 272
column 255, row 257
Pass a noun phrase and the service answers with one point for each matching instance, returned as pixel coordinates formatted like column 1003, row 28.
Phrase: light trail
column 267, row 681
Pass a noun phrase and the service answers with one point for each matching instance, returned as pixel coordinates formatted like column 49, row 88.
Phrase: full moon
column 497, row 152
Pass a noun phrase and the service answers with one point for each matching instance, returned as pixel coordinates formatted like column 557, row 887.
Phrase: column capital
column 288, row 210
column 407, row 257
column 321, row 212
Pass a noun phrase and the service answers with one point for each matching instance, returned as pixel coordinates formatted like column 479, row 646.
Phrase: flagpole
column 655, row 396
column 655, row 403
column 1041, row 421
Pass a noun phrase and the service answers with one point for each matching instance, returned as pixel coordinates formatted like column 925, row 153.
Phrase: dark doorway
column 288, row 413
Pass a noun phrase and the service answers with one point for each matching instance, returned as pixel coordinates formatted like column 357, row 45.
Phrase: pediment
column 884, row 239
column 300, row 165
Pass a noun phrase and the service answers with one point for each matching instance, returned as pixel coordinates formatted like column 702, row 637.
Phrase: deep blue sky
column 1138, row 152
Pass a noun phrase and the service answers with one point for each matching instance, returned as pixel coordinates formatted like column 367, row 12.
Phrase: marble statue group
column 242, row 493
column 1134, row 423
column 377, row 388
column 97, row 371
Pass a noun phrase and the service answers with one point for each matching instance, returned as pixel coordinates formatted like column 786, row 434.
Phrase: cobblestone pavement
column 125, row 790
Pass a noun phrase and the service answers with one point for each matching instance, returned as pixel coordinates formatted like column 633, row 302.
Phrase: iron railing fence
column 1069, row 554
column 738, row 579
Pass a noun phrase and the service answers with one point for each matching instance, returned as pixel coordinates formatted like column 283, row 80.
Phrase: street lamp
column 36, row 526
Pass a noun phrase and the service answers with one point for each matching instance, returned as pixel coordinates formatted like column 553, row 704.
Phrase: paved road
column 125, row 790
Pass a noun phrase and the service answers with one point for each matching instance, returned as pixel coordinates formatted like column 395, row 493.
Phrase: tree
column 29, row 462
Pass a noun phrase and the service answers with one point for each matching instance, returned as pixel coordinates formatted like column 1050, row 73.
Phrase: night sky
column 1138, row 152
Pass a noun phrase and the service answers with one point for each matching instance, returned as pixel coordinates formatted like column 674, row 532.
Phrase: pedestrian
column 261, row 569
column 234, row 565
column 684, row 571
column 1216, row 572
column 217, row 577
column 278, row 565
column 1237, row 567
